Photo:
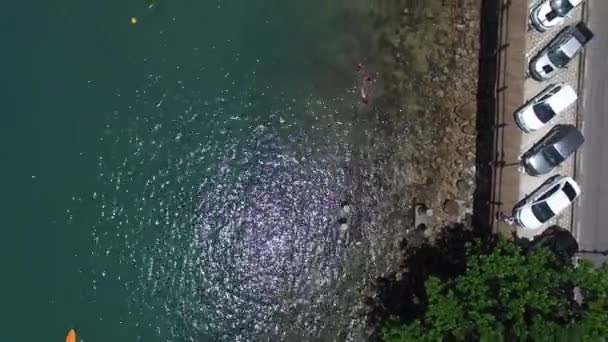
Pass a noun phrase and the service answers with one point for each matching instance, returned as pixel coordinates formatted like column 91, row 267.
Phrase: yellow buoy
column 71, row 337
column 133, row 20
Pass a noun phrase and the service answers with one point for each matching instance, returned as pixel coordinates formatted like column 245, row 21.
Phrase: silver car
column 562, row 49
column 552, row 150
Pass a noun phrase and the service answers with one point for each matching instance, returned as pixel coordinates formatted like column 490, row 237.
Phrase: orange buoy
column 71, row 337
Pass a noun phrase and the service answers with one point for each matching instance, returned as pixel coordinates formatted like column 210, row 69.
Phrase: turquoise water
column 179, row 178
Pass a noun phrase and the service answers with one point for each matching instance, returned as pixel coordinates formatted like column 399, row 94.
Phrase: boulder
column 464, row 185
column 451, row 208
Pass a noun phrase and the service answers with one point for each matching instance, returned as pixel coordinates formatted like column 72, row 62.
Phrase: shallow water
column 227, row 211
column 190, row 169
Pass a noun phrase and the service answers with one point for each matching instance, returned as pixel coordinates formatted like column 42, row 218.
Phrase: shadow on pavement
column 486, row 115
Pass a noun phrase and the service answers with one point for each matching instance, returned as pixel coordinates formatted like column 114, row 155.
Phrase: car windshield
column 552, row 155
column 561, row 7
column 542, row 212
column 569, row 191
column 558, row 57
column 548, row 193
column 544, row 112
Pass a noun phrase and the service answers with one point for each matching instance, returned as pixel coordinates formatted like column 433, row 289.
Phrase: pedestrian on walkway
column 506, row 219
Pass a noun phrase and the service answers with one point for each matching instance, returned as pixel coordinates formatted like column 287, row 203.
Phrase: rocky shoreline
column 423, row 128
column 414, row 142
column 432, row 54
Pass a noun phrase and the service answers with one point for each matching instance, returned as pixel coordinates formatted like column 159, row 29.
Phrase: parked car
column 562, row 49
column 552, row 150
column 551, row 13
column 546, row 202
column 545, row 106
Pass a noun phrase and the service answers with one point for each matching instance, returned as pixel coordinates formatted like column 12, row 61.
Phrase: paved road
column 592, row 211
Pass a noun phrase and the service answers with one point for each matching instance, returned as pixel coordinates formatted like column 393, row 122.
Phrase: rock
column 451, row 208
column 346, row 209
column 468, row 128
column 440, row 93
column 414, row 174
column 343, row 227
column 464, row 185
column 428, row 232
column 399, row 75
column 467, row 110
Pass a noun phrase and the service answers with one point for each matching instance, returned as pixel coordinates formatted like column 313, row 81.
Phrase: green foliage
column 510, row 295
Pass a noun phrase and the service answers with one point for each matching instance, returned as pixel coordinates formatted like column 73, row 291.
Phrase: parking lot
column 518, row 44
column 536, row 41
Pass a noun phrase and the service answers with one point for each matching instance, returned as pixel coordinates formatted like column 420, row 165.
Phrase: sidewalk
column 510, row 96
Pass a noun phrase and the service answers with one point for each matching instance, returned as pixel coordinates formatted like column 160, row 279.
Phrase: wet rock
column 399, row 75
column 343, row 228
column 346, row 210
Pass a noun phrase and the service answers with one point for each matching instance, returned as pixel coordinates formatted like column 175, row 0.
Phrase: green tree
column 509, row 294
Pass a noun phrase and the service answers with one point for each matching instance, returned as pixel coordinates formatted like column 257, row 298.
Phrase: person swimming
column 366, row 80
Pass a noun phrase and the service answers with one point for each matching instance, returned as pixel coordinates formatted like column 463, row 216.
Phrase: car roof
column 558, row 202
column 571, row 46
column 571, row 138
column 562, row 98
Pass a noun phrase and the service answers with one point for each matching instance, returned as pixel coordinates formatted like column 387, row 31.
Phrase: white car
column 562, row 49
column 546, row 202
column 551, row 13
column 545, row 106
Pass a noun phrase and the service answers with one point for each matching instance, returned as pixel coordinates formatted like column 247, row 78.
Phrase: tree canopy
column 515, row 295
